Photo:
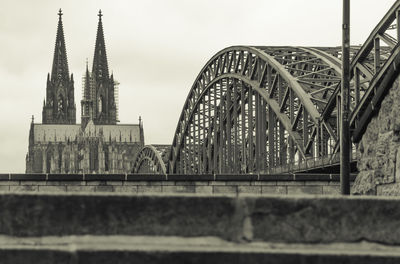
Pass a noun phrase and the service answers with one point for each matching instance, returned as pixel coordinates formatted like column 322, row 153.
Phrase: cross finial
column 100, row 14
column 60, row 13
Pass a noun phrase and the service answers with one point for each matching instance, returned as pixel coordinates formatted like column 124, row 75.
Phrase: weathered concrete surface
column 379, row 149
column 319, row 220
column 288, row 219
column 45, row 215
column 129, row 249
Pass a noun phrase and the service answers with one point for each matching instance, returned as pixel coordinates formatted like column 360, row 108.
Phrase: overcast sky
column 155, row 48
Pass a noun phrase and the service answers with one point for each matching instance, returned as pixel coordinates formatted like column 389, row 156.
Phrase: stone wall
column 195, row 184
column 378, row 149
column 112, row 228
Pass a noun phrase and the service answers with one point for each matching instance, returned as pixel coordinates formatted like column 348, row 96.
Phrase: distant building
column 98, row 144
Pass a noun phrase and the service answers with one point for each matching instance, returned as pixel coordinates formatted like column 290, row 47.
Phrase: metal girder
column 369, row 69
column 386, row 63
column 271, row 79
column 232, row 111
column 381, row 28
column 150, row 159
column 373, row 97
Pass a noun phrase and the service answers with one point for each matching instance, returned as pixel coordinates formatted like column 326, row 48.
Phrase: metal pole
column 345, row 144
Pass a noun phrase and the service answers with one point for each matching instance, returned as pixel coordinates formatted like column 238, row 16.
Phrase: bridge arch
column 150, row 159
column 281, row 93
column 253, row 109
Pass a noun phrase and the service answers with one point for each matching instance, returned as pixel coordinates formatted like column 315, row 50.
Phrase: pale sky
column 155, row 48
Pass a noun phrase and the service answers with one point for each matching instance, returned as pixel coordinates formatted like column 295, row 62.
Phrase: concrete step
column 158, row 249
column 278, row 219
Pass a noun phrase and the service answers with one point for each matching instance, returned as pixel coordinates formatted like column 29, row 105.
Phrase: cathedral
column 98, row 144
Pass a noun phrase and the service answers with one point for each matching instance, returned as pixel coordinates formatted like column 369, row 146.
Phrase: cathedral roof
column 44, row 133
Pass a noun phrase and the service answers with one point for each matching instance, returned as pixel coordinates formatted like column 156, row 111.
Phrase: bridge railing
column 312, row 163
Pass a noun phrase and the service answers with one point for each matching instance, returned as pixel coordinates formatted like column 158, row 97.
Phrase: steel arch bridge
column 151, row 159
column 254, row 108
column 275, row 109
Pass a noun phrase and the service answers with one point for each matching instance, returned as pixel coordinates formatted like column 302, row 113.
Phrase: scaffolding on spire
column 116, row 98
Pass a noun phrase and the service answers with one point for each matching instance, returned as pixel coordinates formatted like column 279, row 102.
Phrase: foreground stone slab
column 279, row 219
column 325, row 220
column 142, row 249
column 56, row 214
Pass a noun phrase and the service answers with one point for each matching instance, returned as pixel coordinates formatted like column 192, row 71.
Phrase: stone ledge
column 109, row 177
column 4, row 176
column 28, row 177
column 277, row 177
column 301, row 177
column 64, row 177
column 236, row 187
column 190, row 177
column 144, row 177
column 288, row 219
column 236, row 177
column 158, row 249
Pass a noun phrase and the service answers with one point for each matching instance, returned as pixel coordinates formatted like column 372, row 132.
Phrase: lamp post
column 345, row 144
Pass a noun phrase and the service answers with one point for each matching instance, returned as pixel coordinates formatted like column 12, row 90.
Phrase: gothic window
column 38, row 161
column 100, row 103
column 93, row 157
column 67, row 162
column 60, row 104
column 59, row 161
column 48, row 162
column 106, row 159
column 60, row 158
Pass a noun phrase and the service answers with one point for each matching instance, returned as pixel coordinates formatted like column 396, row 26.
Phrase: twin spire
column 98, row 99
column 60, row 61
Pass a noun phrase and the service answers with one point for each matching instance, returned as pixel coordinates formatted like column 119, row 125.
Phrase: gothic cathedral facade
column 98, row 144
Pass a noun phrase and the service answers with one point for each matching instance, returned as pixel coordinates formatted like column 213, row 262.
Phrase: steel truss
column 151, row 159
column 374, row 69
column 252, row 109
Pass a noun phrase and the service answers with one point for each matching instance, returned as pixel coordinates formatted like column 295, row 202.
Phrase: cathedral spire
column 59, row 106
column 87, row 94
column 100, row 64
column 103, row 98
column 87, row 100
column 60, row 62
